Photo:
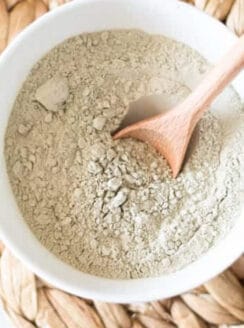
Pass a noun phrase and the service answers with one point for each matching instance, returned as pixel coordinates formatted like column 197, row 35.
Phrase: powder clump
column 53, row 94
column 111, row 208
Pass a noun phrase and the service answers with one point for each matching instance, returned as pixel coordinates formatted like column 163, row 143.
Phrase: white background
column 4, row 322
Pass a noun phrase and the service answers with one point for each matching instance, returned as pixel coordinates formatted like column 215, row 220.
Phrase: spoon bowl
column 170, row 133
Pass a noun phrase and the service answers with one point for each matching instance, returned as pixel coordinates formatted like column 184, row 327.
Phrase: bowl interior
column 171, row 18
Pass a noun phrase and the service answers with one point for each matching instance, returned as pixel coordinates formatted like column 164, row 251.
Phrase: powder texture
column 111, row 208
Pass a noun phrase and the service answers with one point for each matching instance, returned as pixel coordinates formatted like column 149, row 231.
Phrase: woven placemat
column 31, row 303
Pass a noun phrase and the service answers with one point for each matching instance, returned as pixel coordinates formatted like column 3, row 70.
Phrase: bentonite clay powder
column 111, row 208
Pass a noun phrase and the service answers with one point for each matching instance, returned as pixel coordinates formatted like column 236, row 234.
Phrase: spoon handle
column 215, row 81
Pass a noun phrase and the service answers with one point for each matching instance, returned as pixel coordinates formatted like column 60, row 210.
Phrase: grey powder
column 111, row 208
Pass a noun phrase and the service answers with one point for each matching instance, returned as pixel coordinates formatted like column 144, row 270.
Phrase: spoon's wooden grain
column 170, row 133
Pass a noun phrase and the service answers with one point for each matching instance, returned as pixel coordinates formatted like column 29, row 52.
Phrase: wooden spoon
column 170, row 133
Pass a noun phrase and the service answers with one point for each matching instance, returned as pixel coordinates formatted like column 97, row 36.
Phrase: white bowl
column 171, row 18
